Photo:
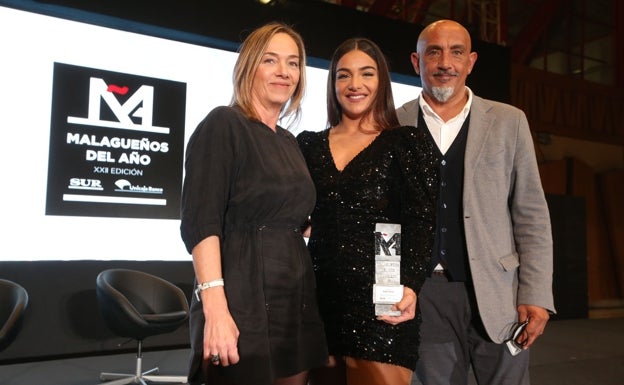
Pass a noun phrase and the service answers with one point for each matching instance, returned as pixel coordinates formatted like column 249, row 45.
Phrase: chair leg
column 121, row 381
column 168, row 379
column 114, row 376
column 152, row 370
column 140, row 377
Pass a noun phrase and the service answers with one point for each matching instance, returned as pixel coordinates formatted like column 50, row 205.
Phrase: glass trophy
column 387, row 289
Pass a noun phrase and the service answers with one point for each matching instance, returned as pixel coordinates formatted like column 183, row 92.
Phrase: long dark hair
column 382, row 109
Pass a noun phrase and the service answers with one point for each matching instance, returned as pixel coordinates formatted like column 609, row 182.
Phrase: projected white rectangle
column 47, row 174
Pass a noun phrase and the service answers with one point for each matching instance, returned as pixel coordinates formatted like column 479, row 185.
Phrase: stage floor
column 571, row 352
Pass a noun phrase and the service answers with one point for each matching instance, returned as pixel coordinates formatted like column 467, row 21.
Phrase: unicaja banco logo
column 139, row 106
column 125, row 186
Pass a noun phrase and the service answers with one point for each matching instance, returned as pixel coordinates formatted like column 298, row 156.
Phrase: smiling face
column 357, row 81
column 277, row 75
column 443, row 60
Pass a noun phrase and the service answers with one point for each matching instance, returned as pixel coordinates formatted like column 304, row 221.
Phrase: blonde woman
column 247, row 192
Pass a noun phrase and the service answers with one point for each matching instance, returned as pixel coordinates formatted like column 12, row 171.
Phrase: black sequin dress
column 393, row 180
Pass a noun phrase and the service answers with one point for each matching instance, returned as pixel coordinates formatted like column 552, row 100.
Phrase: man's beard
column 442, row 94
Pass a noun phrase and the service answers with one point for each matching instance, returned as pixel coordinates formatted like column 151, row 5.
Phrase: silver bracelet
column 207, row 285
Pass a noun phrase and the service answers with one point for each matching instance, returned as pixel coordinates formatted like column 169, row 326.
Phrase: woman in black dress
column 247, row 192
column 367, row 170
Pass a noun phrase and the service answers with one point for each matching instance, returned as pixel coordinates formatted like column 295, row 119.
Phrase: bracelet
column 207, row 285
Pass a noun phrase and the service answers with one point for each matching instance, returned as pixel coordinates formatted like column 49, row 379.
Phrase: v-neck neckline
column 355, row 158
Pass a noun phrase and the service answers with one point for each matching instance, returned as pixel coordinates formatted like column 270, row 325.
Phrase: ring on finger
column 214, row 358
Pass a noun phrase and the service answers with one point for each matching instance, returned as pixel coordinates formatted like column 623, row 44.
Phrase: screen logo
column 116, row 144
column 139, row 106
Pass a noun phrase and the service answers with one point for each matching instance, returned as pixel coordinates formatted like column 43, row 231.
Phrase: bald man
column 489, row 293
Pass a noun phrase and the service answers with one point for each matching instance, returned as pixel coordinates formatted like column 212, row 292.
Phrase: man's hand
column 538, row 317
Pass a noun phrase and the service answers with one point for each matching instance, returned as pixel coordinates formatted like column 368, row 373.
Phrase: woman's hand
column 220, row 332
column 407, row 307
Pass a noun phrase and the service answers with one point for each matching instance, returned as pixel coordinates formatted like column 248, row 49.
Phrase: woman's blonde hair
column 249, row 58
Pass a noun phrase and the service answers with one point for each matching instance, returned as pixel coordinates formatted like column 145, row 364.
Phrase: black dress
column 250, row 186
column 392, row 180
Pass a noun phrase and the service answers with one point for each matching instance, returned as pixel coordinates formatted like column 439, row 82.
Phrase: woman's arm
column 220, row 331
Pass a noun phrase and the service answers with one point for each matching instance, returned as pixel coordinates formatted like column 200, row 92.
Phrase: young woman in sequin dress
column 367, row 170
